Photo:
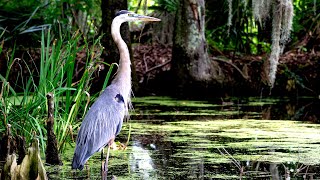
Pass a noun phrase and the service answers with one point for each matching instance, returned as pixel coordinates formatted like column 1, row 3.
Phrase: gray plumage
column 101, row 124
column 104, row 119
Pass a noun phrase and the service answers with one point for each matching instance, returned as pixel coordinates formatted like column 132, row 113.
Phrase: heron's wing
column 102, row 123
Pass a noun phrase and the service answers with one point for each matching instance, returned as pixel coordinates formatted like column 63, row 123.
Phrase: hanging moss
column 282, row 18
column 281, row 29
column 261, row 9
column 230, row 13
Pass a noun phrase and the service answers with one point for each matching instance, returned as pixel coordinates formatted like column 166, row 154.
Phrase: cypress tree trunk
column 52, row 153
column 109, row 8
column 190, row 60
column 111, row 54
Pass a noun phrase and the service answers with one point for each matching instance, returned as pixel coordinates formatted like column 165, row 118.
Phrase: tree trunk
column 111, row 54
column 52, row 153
column 190, row 60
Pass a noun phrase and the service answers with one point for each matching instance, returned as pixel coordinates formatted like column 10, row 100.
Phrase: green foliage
column 306, row 22
column 26, row 111
column 64, row 17
column 167, row 5
column 240, row 35
column 18, row 19
column 247, row 35
column 21, row 5
column 68, row 16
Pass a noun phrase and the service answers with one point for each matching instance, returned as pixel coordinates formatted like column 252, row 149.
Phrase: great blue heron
column 104, row 119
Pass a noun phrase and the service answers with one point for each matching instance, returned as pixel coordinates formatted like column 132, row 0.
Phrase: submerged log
column 52, row 154
column 30, row 168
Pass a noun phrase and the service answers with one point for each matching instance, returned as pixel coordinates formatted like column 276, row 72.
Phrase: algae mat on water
column 263, row 140
column 181, row 139
column 189, row 149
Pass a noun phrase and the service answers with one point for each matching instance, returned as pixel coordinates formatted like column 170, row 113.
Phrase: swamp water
column 248, row 138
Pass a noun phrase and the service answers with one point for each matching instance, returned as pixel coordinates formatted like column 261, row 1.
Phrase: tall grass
column 27, row 111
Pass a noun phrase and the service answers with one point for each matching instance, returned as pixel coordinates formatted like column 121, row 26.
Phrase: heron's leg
column 106, row 163
column 105, row 169
column 102, row 165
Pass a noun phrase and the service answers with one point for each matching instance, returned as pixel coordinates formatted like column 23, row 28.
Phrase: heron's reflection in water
column 141, row 161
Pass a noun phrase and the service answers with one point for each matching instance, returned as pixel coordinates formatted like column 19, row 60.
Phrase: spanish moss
column 261, row 9
column 245, row 3
column 281, row 29
column 275, row 47
column 282, row 17
column 230, row 13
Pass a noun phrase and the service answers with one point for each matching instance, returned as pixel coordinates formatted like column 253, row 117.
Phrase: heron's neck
column 123, row 76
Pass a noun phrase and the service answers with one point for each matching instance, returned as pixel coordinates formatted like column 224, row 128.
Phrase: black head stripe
column 122, row 12
column 119, row 98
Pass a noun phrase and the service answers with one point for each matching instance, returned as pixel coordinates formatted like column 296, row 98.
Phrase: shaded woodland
column 233, row 47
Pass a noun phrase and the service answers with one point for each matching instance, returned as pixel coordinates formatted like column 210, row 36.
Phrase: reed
column 26, row 111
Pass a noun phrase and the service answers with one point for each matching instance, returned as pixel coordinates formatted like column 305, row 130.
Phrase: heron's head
column 125, row 15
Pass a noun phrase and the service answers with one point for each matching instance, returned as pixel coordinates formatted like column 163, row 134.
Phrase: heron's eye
column 131, row 15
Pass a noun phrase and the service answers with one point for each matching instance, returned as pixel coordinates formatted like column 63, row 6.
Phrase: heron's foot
column 114, row 146
column 117, row 145
column 123, row 146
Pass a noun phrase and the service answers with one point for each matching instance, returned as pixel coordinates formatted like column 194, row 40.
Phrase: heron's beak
column 147, row 18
